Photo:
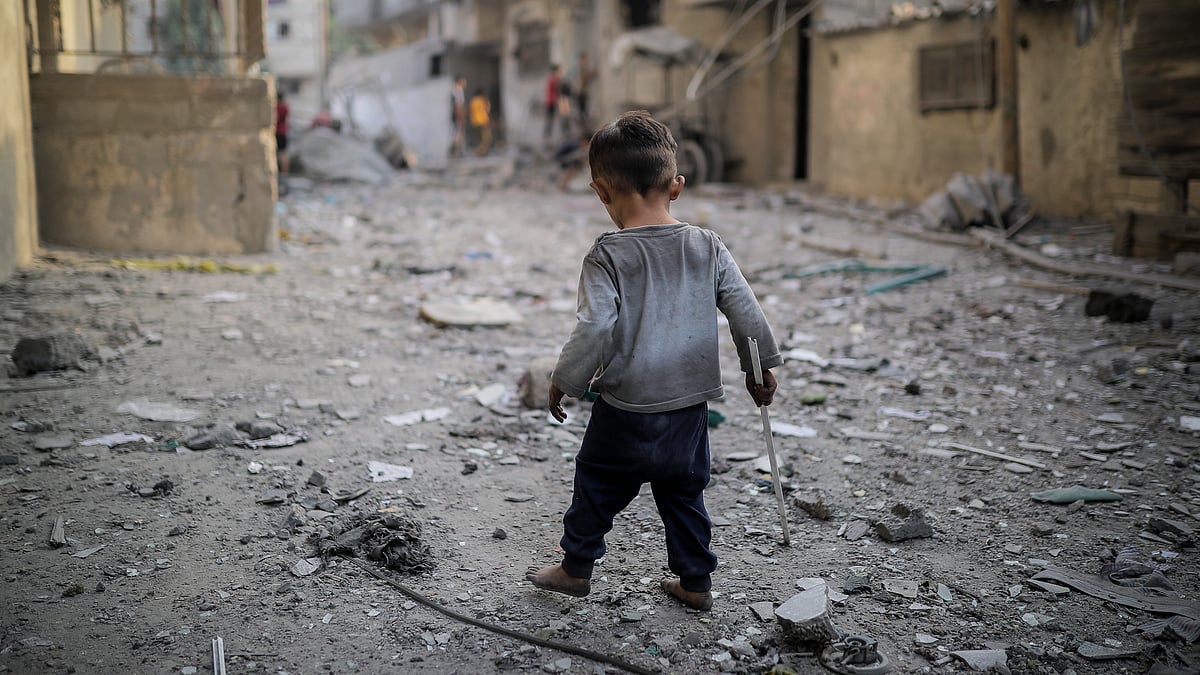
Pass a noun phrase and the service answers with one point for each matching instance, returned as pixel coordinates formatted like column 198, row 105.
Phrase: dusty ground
column 996, row 365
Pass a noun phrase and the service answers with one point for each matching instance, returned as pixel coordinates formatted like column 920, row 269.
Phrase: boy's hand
column 556, row 409
column 762, row 394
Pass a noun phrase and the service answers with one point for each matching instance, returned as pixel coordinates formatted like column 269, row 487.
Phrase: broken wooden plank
column 58, row 534
column 995, row 239
column 995, row 455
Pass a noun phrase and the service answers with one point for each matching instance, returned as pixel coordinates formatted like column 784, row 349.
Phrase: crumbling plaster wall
column 869, row 138
column 155, row 163
column 18, row 204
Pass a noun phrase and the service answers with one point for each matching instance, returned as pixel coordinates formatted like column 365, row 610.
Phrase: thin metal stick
column 766, row 425
column 218, row 653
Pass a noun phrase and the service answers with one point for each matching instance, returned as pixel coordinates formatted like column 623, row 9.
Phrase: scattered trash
column 417, row 416
column 382, row 472
column 44, row 353
column 118, row 439
column 1074, row 494
column 157, row 412
column 855, row 655
column 185, row 264
column 282, row 440
column 1119, row 307
column 483, row 312
column 391, row 539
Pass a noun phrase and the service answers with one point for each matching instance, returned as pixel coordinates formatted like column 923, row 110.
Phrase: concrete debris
column 326, row 155
column 763, row 610
column 482, row 312
column 259, row 429
column 805, row 617
column 968, row 201
column 58, row 534
column 283, row 440
column 43, row 353
column 906, row 523
column 157, row 412
column 305, row 567
column 1095, row 652
column 792, row 430
column 55, row 442
column 417, row 416
column 393, row 148
column 1075, row 494
column 1189, row 423
column 905, row 588
column 984, row 660
column 813, row 505
column 534, row 385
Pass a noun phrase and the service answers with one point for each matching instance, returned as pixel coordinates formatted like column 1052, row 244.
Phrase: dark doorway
column 803, row 91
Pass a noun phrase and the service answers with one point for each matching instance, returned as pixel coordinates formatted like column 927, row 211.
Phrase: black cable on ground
column 506, row 632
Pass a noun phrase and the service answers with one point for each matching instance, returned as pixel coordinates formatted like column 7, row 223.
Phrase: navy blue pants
column 623, row 450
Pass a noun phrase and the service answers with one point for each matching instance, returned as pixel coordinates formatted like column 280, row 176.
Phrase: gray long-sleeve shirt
column 647, row 332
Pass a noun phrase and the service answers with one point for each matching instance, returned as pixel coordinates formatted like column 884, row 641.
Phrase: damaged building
column 138, row 125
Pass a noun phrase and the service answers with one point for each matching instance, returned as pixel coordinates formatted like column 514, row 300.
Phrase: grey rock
column 8, row 460
column 763, row 610
column 631, row 617
column 50, row 352
column 857, row 581
column 295, row 519
column 499, row 533
column 305, row 566
column 1174, row 527
column 1094, row 652
column 258, row 429
column 57, row 442
column 316, row 479
column 805, row 617
column 856, row 530
column 906, row 523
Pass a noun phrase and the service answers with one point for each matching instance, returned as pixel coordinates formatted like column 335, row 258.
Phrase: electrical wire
column 420, row 598
column 740, row 63
column 711, row 57
column 1127, row 95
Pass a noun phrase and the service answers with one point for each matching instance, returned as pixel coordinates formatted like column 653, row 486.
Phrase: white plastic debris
column 121, row 438
column 417, row 416
column 382, row 472
column 1188, row 423
column 785, row 429
column 157, row 412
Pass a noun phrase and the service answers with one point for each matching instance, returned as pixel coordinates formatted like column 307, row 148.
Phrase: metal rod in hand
column 766, row 425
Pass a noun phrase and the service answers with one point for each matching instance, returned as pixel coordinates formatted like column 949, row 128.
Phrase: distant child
column 458, row 115
column 571, row 156
column 647, row 341
column 481, row 119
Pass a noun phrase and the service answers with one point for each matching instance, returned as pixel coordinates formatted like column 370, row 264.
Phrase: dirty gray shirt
column 647, row 332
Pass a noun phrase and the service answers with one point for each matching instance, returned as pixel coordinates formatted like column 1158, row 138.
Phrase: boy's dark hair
column 634, row 153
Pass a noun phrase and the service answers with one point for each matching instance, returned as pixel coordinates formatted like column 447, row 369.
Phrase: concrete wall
column 18, row 203
column 155, row 164
column 392, row 88
column 869, row 138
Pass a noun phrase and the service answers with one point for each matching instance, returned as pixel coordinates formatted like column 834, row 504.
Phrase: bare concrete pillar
column 48, row 34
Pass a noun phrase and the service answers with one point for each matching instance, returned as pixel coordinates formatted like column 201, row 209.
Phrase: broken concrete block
column 217, row 437
column 296, row 518
column 813, row 505
column 535, row 383
column 984, row 660
column 763, row 610
column 805, row 617
column 50, row 352
column 907, row 523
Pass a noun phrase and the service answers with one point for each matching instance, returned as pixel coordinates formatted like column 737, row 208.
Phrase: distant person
column 647, row 340
column 281, row 133
column 481, row 119
column 571, row 156
column 553, row 83
column 583, row 83
column 458, row 115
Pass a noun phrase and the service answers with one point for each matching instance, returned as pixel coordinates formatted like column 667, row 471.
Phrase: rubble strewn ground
column 889, row 397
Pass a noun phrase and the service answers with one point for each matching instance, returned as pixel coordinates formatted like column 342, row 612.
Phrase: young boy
column 481, row 119
column 647, row 341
